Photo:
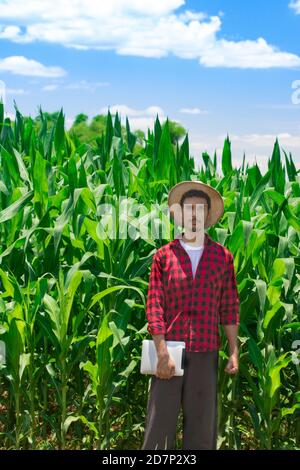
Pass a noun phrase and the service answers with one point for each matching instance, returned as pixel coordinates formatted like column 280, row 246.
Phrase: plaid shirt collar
column 176, row 245
column 208, row 242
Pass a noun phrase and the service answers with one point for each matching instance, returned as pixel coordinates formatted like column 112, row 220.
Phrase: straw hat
column 217, row 204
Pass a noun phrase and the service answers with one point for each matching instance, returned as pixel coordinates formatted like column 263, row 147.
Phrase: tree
column 177, row 131
column 80, row 118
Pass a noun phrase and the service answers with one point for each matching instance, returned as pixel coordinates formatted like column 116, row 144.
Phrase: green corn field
column 72, row 298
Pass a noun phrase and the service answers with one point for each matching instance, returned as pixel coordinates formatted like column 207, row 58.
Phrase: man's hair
column 195, row 192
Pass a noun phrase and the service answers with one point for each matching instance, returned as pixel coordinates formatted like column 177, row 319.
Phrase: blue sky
column 217, row 67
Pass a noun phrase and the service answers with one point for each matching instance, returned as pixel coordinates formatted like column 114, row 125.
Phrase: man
column 192, row 288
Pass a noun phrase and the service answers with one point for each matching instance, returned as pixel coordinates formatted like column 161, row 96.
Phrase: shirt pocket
column 175, row 323
column 216, row 274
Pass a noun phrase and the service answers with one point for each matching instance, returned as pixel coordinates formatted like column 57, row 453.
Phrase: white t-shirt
column 194, row 252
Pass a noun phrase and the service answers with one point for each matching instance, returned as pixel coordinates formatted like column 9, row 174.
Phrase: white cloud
column 131, row 112
column 16, row 91
column 84, row 85
column 52, row 87
column 80, row 85
column 20, row 65
column 11, row 116
column 248, row 54
column 10, row 32
column 16, row 9
column 68, row 122
column 148, row 28
column 193, row 111
column 295, row 5
column 285, row 139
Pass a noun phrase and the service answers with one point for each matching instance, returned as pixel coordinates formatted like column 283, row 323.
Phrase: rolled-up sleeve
column 155, row 305
column 229, row 302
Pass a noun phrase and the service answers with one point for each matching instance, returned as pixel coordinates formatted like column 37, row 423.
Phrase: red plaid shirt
column 190, row 309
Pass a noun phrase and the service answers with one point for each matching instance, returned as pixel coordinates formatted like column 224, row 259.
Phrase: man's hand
column 232, row 366
column 165, row 367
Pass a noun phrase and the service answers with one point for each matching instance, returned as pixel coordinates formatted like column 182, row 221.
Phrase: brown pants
column 196, row 392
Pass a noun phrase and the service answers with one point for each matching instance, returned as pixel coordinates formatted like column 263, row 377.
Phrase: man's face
column 195, row 215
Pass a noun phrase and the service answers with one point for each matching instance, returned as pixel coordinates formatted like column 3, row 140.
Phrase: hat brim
column 175, row 194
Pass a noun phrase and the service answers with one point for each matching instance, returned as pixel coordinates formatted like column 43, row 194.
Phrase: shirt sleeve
column 229, row 303
column 155, row 306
